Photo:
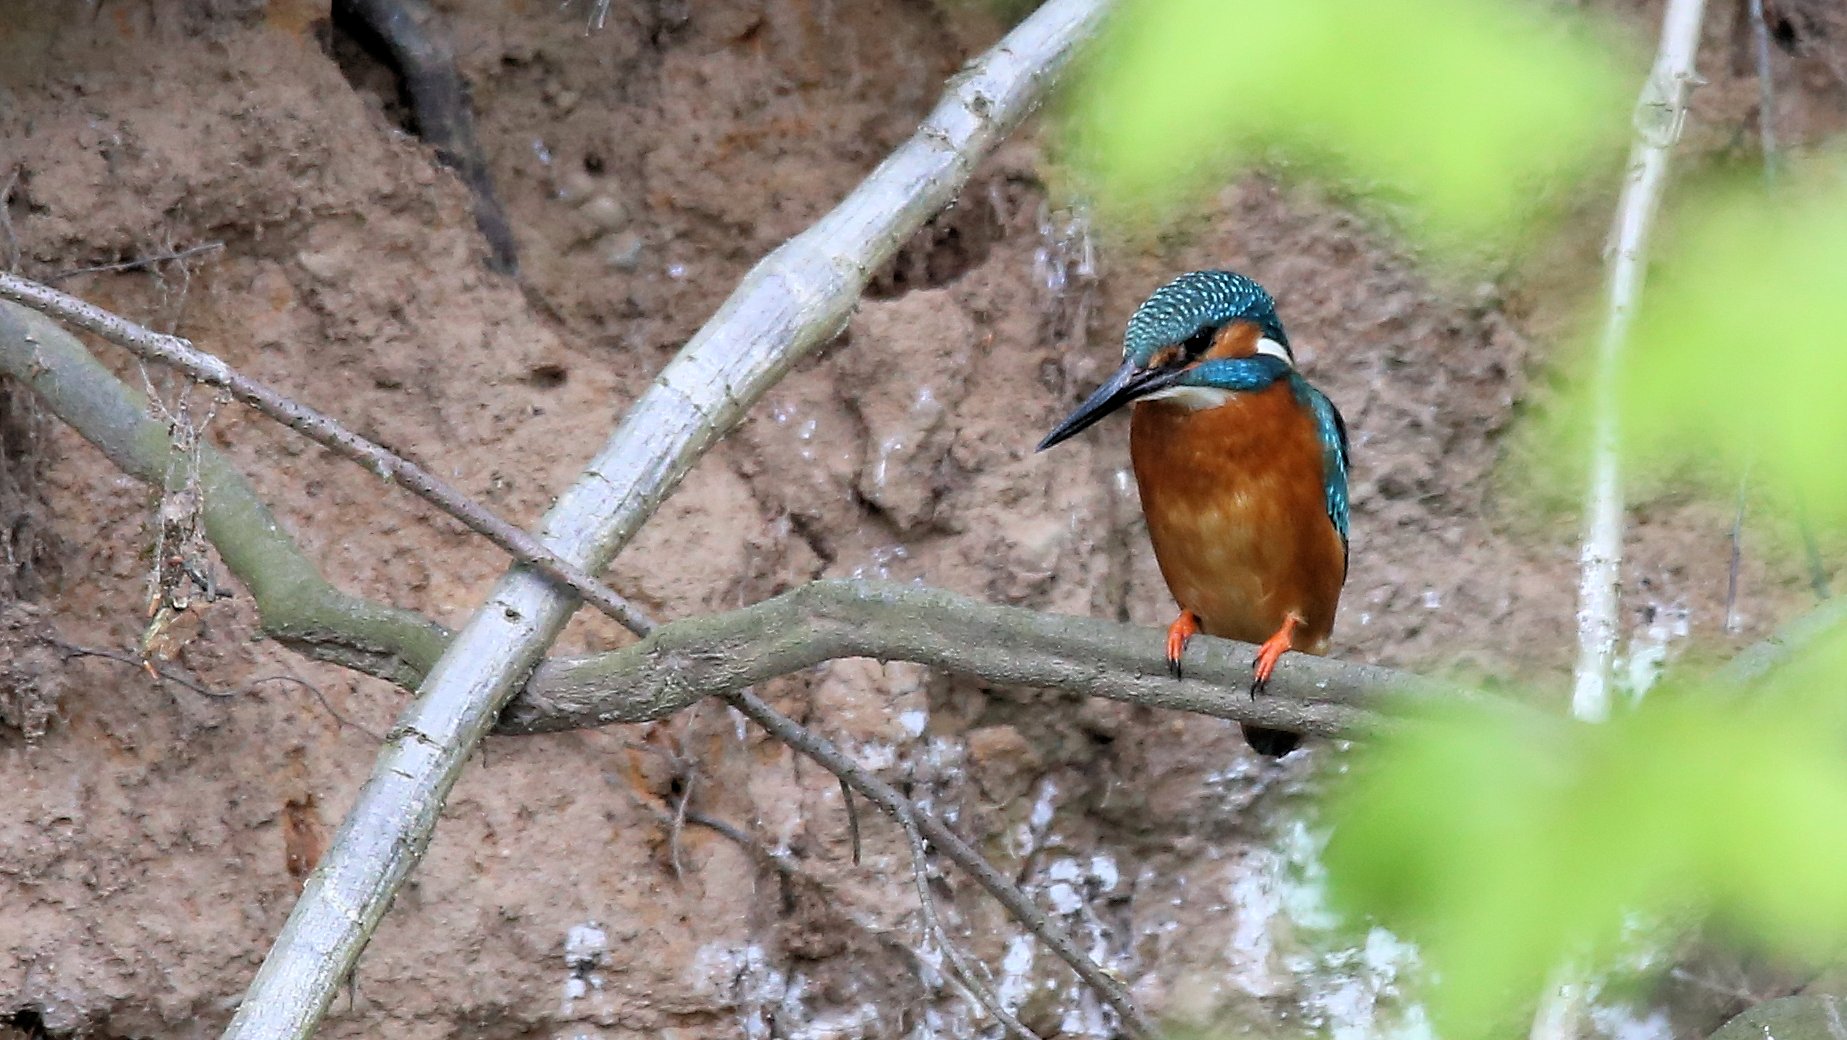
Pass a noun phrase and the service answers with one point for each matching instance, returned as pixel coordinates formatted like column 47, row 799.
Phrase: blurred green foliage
column 1469, row 108
column 1509, row 844
column 1503, row 841
column 1737, row 360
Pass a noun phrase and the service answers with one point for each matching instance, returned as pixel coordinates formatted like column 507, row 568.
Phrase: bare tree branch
column 137, row 263
column 299, row 608
column 325, row 431
column 655, row 679
column 1659, row 113
column 684, row 661
column 795, row 299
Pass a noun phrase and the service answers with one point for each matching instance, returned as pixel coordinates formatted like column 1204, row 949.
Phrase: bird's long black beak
column 1129, row 382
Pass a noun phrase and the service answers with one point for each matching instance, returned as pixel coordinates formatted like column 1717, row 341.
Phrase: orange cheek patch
column 1236, row 340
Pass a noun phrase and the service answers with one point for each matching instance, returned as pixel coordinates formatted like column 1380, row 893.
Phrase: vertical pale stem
column 1658, row 118
column 1659, row 114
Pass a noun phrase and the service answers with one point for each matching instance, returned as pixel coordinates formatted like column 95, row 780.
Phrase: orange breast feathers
column 1238, row 515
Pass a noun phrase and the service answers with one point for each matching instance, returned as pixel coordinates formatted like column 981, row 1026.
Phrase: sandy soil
column 154, row 837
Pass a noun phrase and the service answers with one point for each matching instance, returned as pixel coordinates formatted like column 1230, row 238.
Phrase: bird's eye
column 1199, row 342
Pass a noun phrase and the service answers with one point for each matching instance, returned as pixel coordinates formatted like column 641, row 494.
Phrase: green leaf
column 1737, row 358
column 1508, row 844
column 1469, row 106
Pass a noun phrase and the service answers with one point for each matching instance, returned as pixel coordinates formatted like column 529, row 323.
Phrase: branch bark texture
column 795, row 299
column 685, row 661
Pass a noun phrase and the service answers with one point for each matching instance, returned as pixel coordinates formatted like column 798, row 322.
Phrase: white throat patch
column 1194, row 398
column 1266, row 345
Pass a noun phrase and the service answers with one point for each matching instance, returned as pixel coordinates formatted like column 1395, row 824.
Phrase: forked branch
column 794, row 300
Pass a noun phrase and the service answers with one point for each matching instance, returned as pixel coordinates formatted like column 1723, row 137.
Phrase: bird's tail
column 1272, row 742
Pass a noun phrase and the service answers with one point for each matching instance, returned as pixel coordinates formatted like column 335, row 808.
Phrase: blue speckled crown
column 1194, row 301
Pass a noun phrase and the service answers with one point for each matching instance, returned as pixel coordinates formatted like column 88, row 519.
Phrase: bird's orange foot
column 1185, row 627
column 1270, row 652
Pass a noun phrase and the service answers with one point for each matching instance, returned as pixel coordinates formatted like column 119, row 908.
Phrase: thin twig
column 326, row 704
column 323, row 430
column 141, row 664
column 1009, row 895
column 168, row 674
column 959, row 969
column 137, row 263
column 789, row 869
column 1766, row 93
column 784, row 864
column 852, row 807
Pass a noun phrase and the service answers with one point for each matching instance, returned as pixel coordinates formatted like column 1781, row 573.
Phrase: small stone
column 605, row 213
column 997, row 745
column 574, row 185
column 566, row 100
column 622, row 251
column 326, row 266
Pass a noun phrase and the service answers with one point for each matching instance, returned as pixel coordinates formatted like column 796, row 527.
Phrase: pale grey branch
column 797, row 298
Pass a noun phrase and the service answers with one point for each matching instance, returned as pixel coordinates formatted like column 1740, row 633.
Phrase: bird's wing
column 1333, row 432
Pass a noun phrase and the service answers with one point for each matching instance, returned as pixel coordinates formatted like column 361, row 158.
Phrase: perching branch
column 1659, row 113
column 680, row 663
column 795, row 299
column 684, row 661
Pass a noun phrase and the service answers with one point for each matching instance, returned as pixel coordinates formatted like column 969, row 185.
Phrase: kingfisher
column 1242, row 469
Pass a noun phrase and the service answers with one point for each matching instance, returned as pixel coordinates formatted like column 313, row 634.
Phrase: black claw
column 1173, row 665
